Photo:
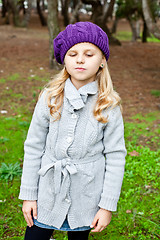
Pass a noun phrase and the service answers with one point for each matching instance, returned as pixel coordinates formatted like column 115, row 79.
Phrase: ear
column 102, row 65
column 103, row 61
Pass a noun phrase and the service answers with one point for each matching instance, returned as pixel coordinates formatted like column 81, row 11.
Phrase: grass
column 137, row 216
column 127, row 36
column 155, row 93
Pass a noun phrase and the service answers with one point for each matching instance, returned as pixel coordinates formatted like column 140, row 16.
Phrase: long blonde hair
column 107, row 97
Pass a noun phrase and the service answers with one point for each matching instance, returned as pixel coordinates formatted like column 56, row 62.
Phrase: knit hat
column 77, row 33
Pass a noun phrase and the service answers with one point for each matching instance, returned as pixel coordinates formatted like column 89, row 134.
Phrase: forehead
column 84, row 46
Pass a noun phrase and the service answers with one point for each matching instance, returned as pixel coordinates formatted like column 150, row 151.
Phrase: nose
column 80, row 58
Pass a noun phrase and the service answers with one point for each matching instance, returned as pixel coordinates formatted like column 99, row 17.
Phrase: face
column 82, row 62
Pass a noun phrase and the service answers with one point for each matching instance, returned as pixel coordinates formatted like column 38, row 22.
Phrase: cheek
column 95, row 66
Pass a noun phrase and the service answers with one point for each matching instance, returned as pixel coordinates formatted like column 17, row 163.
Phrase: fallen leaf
column 133, row 153
column 128, row 211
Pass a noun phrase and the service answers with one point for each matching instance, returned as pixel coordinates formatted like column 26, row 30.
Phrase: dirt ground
column 134, row 67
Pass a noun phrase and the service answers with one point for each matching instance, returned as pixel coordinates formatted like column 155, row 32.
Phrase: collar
column 78, row 98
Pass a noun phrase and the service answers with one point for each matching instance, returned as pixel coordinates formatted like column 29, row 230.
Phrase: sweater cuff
column 28, row 194
column 109, row 204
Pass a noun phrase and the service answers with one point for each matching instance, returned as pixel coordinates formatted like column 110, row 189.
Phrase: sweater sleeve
column 34, row 147
column 115, row 152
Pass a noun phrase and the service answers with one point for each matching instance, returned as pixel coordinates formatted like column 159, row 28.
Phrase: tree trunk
column 137, row 28
column 15, row 11
column 42, row 18
column 75, row 17
column 133, row 28
column 43, row 6
column 151, row 25
column 65, row 12
column 144, row 34
column 7, row 11
column 75, row 2
column 109, row 11
column 97, row 9
column 53, row 28
column 4, row 8
column 27, row 15
column 114, row 26
column 62, row 7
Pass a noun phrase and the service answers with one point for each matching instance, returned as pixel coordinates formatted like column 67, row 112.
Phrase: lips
column 80, row 69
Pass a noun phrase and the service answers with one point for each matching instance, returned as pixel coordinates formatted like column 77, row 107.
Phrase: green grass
column 127, row 36
column 144, row 130
column 137, row 216
column 155, row 93
column 14, row 77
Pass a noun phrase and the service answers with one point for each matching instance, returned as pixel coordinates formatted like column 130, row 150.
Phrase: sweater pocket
column 46, row 195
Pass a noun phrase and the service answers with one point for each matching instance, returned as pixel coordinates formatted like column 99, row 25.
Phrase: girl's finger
column 35, row 212
column 27, row 220
column 97, row 229
column 30, row 219
column 101, row 229
column 94, row 223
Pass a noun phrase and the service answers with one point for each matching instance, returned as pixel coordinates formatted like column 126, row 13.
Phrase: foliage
column 127, row 7
column 134, row 8
column 9, row 171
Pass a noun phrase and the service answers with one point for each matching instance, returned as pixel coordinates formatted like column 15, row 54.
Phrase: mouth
column 80, row 69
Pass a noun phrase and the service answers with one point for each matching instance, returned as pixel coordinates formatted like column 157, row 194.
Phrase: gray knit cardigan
column 73, row 166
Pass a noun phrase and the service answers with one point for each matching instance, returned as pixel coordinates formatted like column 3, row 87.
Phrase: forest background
column 27, row 29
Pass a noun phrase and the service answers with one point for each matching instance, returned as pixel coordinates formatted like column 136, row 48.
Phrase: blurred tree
column 27, row 14
column 65, row 6
column 5, row 11
column 14, row 7
column 131, row 10
column 100, row 14
column 148, row 8
column 75, row 13
column 40, row 13
column 53, row 28
column 4, row 8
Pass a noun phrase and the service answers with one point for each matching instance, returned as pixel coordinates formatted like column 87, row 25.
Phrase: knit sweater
column 75, row 165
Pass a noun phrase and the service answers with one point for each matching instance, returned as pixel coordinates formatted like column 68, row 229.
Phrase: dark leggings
column 37, row 233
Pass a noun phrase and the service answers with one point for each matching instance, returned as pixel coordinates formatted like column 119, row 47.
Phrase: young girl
column 75, row 151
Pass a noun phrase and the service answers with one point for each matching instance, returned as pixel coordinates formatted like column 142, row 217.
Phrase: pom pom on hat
column 77, row 33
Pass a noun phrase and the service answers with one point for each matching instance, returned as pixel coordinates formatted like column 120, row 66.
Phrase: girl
column 75, row 151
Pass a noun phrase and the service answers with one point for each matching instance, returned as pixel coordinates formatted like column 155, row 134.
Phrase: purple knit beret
column 77, row 33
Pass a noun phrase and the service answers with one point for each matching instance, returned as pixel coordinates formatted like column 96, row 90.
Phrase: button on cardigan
column 75, row 165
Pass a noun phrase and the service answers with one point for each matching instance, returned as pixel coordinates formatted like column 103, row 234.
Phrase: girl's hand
column 101, row 220
column 29, row 208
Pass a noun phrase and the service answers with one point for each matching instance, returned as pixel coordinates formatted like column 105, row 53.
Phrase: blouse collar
column 78, row 98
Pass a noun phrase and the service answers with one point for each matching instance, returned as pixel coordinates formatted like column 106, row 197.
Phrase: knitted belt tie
column 65, row 167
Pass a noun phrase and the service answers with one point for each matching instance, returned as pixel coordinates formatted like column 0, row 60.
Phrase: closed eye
column 89, row 55
column 72, row 55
